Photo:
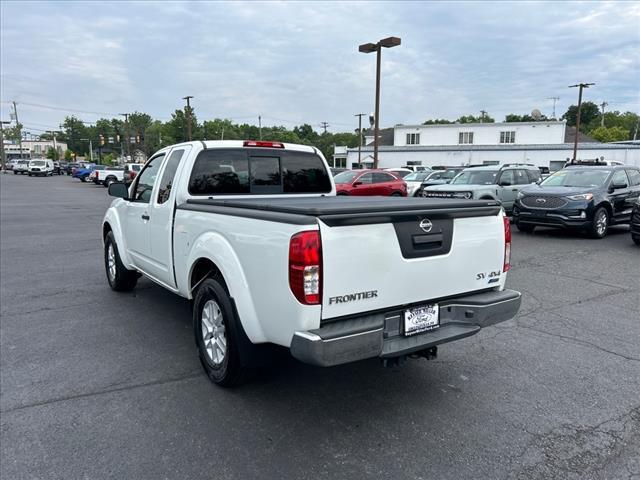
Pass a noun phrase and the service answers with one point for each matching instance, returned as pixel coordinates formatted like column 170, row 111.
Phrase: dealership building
column 542, row 143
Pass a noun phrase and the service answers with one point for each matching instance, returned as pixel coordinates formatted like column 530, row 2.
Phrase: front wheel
column 215, row 326
column 120, row 278
column 600, row 223
column 396, row 194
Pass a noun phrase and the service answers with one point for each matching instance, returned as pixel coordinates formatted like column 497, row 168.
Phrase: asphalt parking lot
column 96, row 384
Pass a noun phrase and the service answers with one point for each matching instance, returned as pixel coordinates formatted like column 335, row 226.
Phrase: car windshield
column 38, row 163
column 345, row 177
column 576, row 178
column 443, row 175
column 416, row 177
column 399, row 173
column 476, row 177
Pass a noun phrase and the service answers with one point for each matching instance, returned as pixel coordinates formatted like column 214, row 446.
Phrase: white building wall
column 534, row 133
column 538, row 157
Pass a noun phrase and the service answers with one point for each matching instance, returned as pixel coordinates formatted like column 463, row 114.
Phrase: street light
column 370, row 48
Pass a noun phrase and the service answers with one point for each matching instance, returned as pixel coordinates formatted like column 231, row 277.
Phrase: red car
column 370, row 182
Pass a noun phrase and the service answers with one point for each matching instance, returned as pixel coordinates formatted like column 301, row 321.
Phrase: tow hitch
column 430, row 353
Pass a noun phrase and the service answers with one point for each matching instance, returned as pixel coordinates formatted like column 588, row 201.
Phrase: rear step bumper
column 378, row 335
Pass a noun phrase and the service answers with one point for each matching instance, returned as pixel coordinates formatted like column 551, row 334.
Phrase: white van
column 41, row 166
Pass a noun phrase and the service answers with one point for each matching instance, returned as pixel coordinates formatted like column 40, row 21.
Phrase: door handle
column 145, row 217
column 514, row 189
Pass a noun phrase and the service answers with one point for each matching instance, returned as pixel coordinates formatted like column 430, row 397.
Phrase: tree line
column 615, row 127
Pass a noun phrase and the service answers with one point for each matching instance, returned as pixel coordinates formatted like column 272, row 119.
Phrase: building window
column 340, row 163
column 508, row 137
column 36, row 149
column 465, row 138
column 413, row 139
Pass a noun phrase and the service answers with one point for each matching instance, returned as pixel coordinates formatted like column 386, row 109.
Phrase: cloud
column 298, row 61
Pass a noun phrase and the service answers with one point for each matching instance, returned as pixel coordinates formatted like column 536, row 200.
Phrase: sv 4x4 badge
column 493, row 277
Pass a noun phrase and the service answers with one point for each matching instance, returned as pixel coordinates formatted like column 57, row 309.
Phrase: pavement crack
column 103, row 392
column 582, row 342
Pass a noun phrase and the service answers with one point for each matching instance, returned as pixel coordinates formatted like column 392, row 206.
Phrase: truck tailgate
column 374, row 266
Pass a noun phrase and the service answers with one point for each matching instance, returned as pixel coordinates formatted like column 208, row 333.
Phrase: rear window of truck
column 257, row 171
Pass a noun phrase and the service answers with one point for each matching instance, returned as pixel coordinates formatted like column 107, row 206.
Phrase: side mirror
column 618, row 186
column 118, row 190
column 355, row 184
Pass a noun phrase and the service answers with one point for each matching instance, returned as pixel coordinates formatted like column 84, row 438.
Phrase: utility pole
column 188, row 110
column 482, row 114
column 575, row 143
column 260, row 126
column 555, row 99
column 359, row 115
column 324, row 125
column 3, row 157
column 126, row 133
column 603, row 104
column 15, row 113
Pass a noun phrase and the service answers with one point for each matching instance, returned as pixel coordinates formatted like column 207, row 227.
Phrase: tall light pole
column 90, row 147
column 188, row 110
column 126, row 134
column 370, row 48
column 359, row 115
column 575, row 142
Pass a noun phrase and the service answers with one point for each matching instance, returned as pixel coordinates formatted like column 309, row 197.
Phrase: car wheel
column 119, row 277
column 523, row 227
column 83, row 179
column 636, row 239
column 15, row 173
column 215, row 326
column 342, row 194
column 600, row 223
column 396, row 194
column 108, row 182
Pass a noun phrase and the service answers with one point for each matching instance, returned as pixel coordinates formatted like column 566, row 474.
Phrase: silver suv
column 488, row 183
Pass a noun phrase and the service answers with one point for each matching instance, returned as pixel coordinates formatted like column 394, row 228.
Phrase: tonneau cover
column 346, row 205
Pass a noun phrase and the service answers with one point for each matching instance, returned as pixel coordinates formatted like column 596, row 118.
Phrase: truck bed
column 343, row 210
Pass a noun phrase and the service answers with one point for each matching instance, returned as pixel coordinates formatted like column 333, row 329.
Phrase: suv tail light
column 260, row 143
column 507, row 244
column 305, row 267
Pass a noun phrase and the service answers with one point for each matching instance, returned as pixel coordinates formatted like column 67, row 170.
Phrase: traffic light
column 117, row 138
column 101, row 140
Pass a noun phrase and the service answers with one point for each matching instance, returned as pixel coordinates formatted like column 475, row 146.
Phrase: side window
column 147, row 179
column 620, row 178
column 380, row 177
column 164, row 189
column 507, row 178
column 534, row 175
column 634, row 177
column 366, row 179
column 521, row 177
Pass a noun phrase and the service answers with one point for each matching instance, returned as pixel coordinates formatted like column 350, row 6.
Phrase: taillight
column 305, row 267
column 260, row 143
column 507, row 244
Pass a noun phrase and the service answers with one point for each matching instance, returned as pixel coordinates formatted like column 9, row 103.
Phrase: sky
column 298, row 62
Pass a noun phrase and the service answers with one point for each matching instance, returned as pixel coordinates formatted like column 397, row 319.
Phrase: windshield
column 345, row 177
column 476, row 177
column 416, row 177
column 399, row 173
column 38, row 163
column 577, row 178
column 443, row 175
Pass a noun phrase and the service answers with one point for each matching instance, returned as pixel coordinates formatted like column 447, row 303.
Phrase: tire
column 29, row 173
column 396, row 194
column 636, row 239
column 108, row 182
column 119, row 277
column 600, row 223
column 83, row 179
column 15, row 173
column 216, row 329
column 342, row 194
column 525, row 228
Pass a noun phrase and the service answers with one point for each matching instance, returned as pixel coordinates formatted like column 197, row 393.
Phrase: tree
column 13, row 133
column 610, row 134
column 472, row 119
column 437, row 121
column 53, row 154
column 68, row 155
column 176, row 128
column 74, row 131
column 512, row 117
column 588, row 113
column 628, row 121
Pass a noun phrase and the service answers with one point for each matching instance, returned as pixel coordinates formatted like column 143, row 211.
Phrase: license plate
column 421, row 319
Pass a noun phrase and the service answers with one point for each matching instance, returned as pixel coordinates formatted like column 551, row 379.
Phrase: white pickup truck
column 253, row 234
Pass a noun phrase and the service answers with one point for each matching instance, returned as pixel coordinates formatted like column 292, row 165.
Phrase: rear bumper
column 378, row 335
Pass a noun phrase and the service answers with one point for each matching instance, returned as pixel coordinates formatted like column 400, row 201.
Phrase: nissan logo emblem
column 540, row 200
column 426, row 225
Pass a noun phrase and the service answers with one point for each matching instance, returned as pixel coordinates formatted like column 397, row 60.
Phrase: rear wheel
column 523, row 227
column 600, row 223
column 636, row 239
column 396, row 194
column 120, row 278
column 216, row 329
column 109, row 181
